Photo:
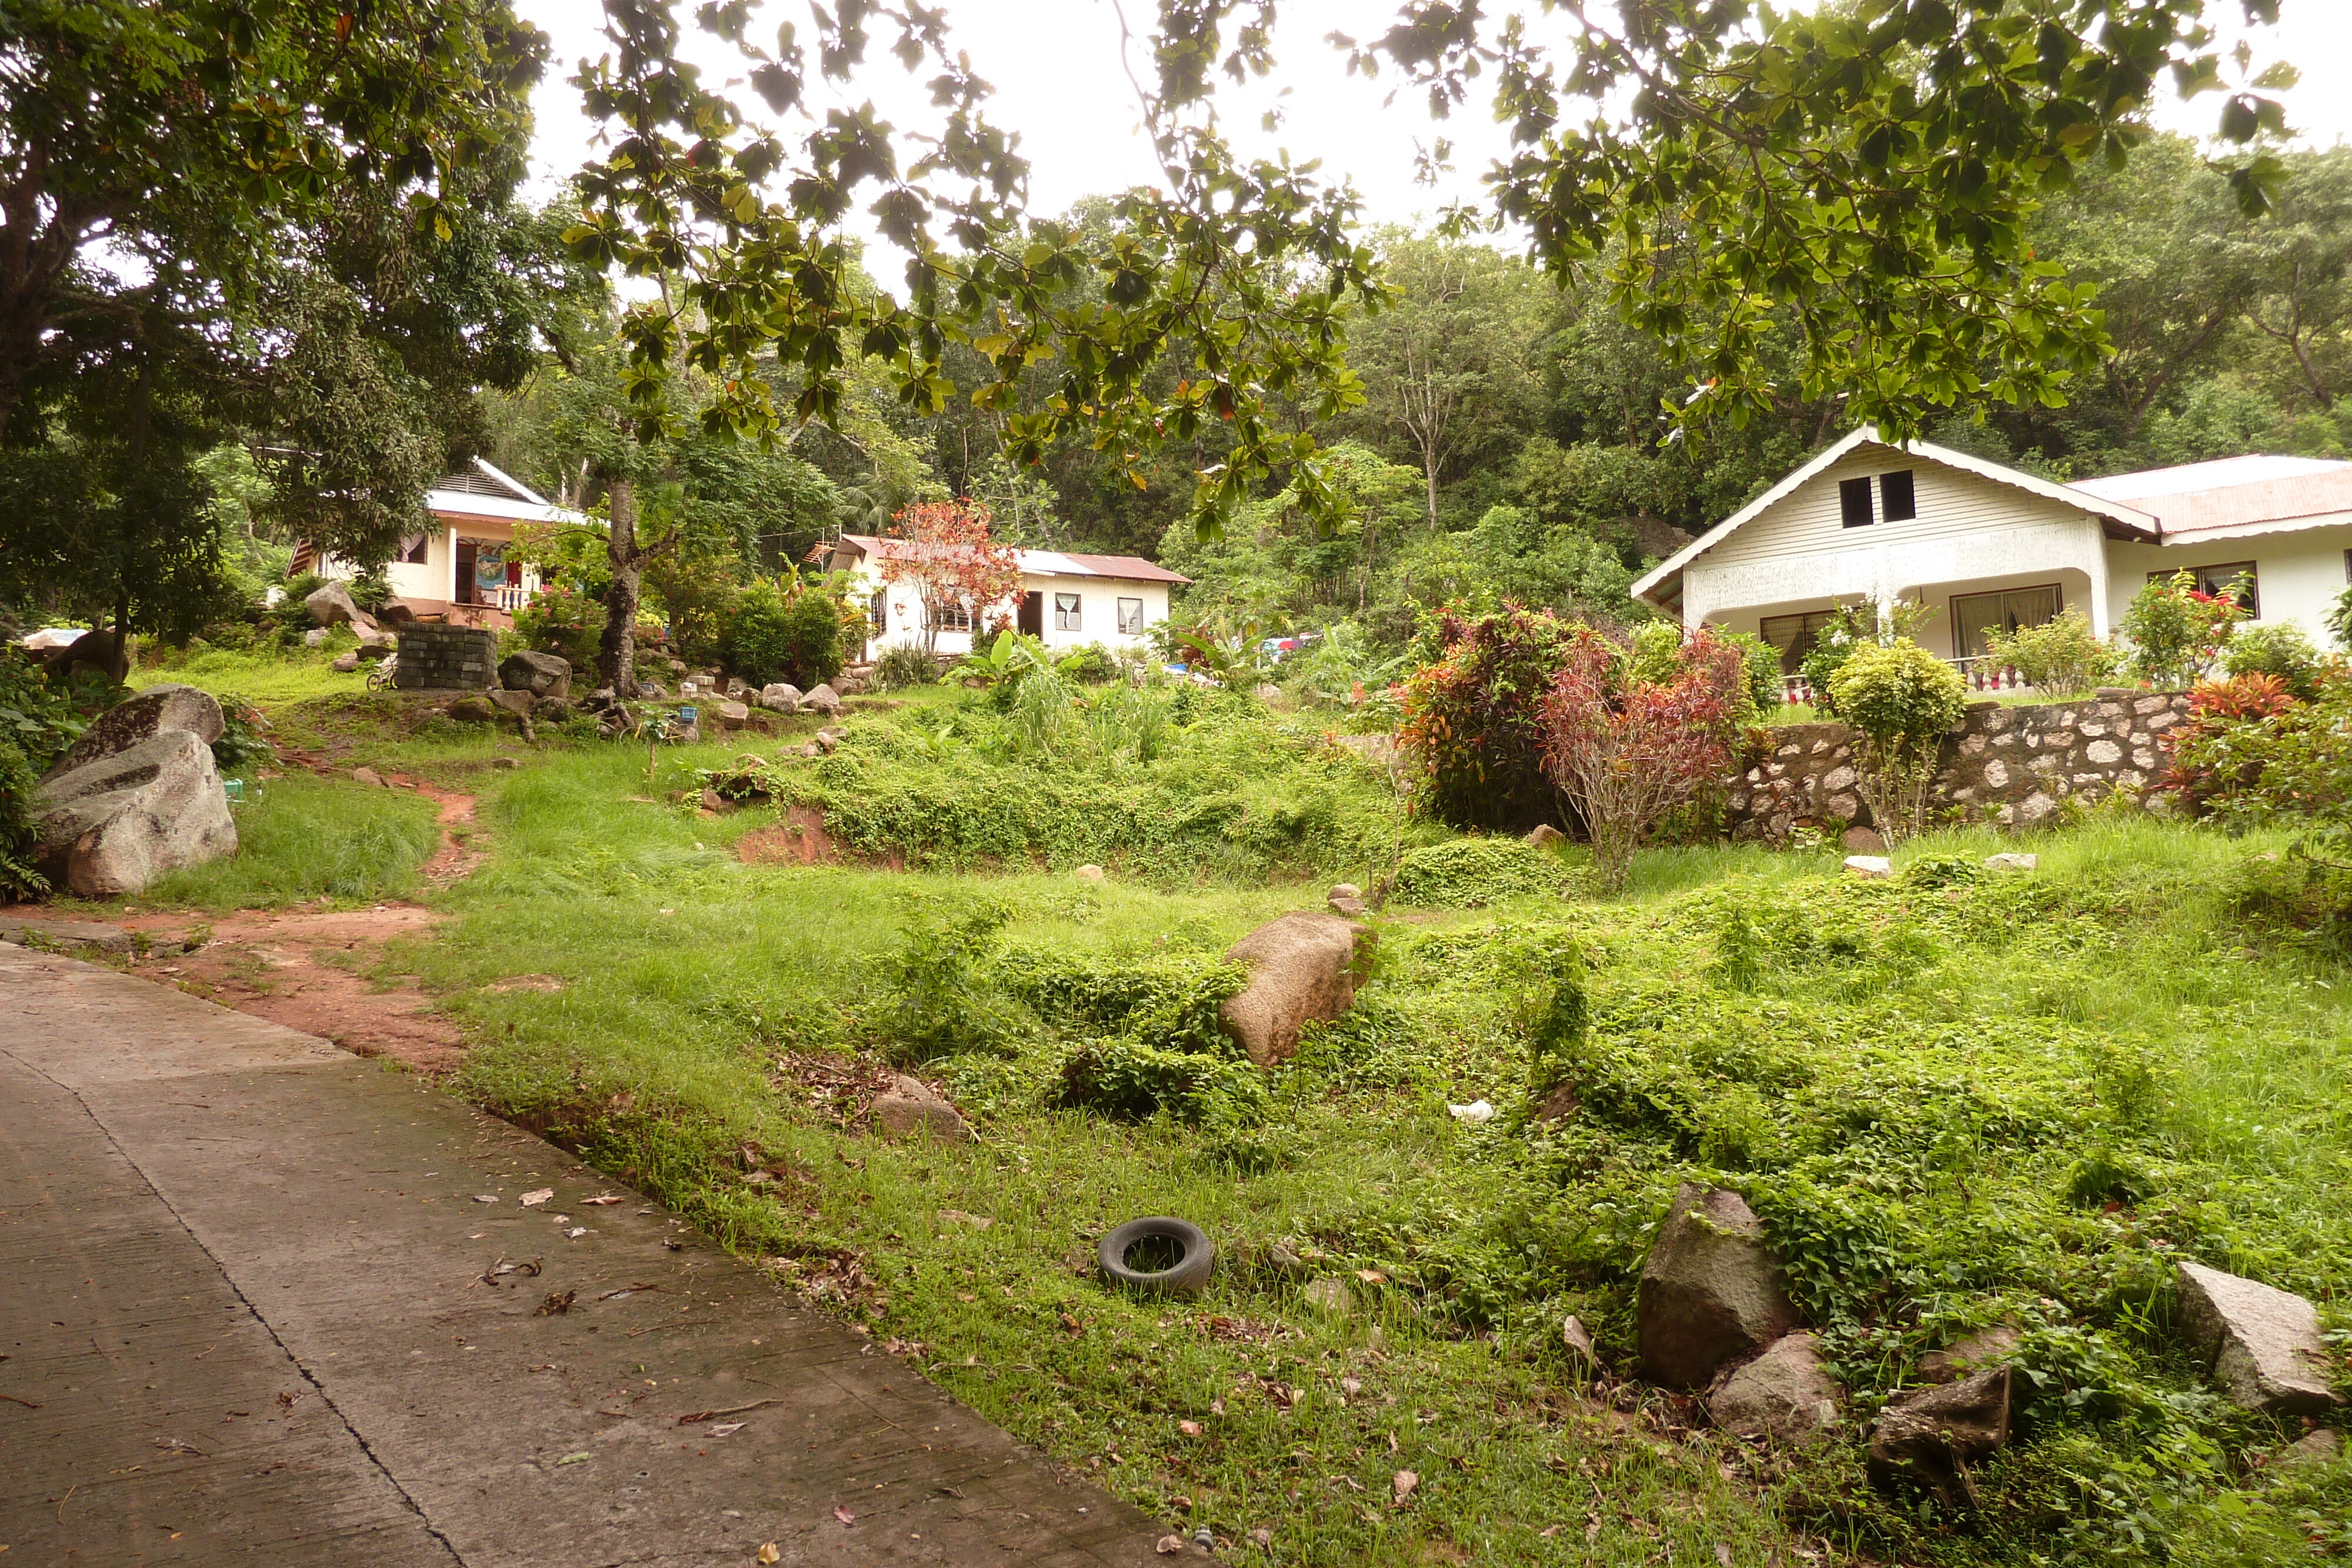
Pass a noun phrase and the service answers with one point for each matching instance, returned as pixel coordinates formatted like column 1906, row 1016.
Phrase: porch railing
column 505, row 597
column 1981, row 674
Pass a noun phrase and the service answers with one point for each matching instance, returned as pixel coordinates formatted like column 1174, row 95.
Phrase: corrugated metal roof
column 2253, row 493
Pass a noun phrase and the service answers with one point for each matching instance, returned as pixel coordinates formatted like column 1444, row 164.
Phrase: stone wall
column 440, row 658
column 2011, row 766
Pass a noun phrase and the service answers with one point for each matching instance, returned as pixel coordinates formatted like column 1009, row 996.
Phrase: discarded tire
column 1188, row 1251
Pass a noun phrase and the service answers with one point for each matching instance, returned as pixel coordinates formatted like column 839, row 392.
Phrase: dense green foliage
column 796, row 634
column 1466, row 873
column 1901, row 701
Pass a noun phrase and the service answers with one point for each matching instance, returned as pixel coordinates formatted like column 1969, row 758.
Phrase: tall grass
column 305, row 839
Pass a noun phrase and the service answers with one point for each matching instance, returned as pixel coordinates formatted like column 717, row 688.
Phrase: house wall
column 2298, row 573
column 432, row 586
column 1099, row 599
column 1970, row 532
column 2011, row 766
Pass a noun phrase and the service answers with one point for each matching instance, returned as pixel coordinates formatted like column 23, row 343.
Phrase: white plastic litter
column 1476, row 1110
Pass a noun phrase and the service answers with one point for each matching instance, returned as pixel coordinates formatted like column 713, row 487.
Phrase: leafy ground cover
column 1955, row 1098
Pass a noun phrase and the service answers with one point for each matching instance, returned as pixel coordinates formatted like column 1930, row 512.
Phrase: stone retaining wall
column 446, row 658
column 2011, row 766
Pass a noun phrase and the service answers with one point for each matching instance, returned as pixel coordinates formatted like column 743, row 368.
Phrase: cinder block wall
column 442, row 657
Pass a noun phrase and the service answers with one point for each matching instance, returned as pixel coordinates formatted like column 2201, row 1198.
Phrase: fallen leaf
column 1546, row 1533
column 957, row 1216
column 576, row 1232
column 1372, row 1277
column 1351, row 1387
column 485, row 1197
column 1190, row 1428
column 1405, row 1482
column 573, row 1458
column 556, row 1304
column 1170, row 1545
column 724, row 1427
column 768, row 1554
column 1723, row 1553
column 533, row 1199
column 844, row 1515
column 604, row 1201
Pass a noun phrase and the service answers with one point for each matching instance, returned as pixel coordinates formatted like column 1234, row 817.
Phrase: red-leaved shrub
column 1473, row 720
column 1628, row 752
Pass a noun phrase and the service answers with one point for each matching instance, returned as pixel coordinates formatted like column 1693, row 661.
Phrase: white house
column 1987, row 545
column 458, row 565
column 1066, row 600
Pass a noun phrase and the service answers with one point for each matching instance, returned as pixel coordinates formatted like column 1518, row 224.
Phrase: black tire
column 1187, row 1275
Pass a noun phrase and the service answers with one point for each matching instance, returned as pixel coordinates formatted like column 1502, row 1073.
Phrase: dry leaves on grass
column 839, row 1088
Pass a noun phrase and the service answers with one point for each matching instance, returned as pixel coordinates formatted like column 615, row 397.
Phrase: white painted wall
column 2297, row 573
column 1098, row 597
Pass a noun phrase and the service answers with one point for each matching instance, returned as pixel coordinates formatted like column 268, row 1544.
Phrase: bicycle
column 381, row 678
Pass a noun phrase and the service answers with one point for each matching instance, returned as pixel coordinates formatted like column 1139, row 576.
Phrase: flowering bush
column 1627, row 751
column 1900, row 700
column 2177, row 630
column 1473, row 724
column 563, row 621
column 2216, row 755
column 2285, row 651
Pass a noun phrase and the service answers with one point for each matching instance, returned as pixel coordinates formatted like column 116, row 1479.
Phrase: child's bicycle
column 380, row 679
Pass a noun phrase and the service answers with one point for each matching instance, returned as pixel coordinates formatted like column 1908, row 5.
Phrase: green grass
column 305, row 839
column 266, row 678
column 1914, row 1081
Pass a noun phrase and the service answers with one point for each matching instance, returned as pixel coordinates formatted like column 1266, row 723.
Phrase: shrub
column 792, row 635
column 2060, row 657
column 1628, row 755
column 1473, row 719
column 1129, row 1080
column 20, row 837
column 2177, row 630
column 1468, row 873
column 1900, row 700
column 903, row 667
column 563, row 621
column 36, row 716
column 1165, row 999
column 943, row 995
column 2285, row 651
column 1851, row 629
column 242, row 744
column 1093, row 665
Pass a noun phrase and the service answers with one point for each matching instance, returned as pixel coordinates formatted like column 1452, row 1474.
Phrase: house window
column 1130, row 618
column 1854, row 503
column 1795, row 635
column 412, row 549
column 1065, row 612
column 1975, row 616
column 954, row 615
column 1897, row 500
column 2217, row 581
column 877, row 611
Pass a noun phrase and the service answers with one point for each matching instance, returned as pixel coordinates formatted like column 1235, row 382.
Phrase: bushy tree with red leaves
column 961, row 575
column 1472, row 724
column 1629, row 752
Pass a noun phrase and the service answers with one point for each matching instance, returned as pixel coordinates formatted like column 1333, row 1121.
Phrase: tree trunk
column 617, row 658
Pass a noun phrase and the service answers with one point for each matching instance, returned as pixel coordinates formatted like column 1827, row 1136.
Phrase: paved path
column 243, row 1318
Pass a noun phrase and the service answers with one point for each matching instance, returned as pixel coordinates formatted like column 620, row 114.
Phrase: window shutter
column 1897, row 499
column 1854, row 503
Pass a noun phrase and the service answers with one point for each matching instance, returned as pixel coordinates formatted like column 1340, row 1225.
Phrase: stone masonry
column 441, row 657
column 2011, row 766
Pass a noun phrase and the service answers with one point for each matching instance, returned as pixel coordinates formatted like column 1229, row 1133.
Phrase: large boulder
column 473, row 710
column 395, row 613
column 782, row 696
column 1302, row 966
column 332, row 602
column 141, row 719
column 1971, row 1352
column 92, row 652
column 731, row 714
column 2261, row 1342
column 541, row 675
column 1934, row 1435
column 826, row 700
column 114, row 824
column 1710, row 1292
column 1786, row 1394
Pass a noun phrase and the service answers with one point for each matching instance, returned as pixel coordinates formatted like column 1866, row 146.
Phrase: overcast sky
column 1056, row 66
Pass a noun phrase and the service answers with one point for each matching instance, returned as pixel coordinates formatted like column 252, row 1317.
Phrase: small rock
column 731, row 715
column 1544, row 836
column 826, row 741
column 518, row 704
column 1349, row 908
column 369, row 777
column 1861, row 842
column 1971, row 1352
column 911, row 1108
column 473, row 710
column 1934, row 1435
column 1345, row 890
column 1303, row 967
column 1329, row 1294
column 826, row 700
column 2013, row 863
column 1786, row 1394
column 1710, row 1291
column 1089, row 874
column 316, row 637
column 373, row 640
column 345, row 664
column 541, row 675
column 1476, row 1111
column 781, row 697
column 506, row 762
column 2317, row 1446
column 395, row 613
column 1578, row 1338
column 713, row 802
column 1872, row 867
column 2262, row 1343
column 652, row 692
column 1283, row 1260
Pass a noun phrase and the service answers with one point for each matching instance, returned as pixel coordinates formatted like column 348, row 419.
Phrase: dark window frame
column 1857, row 504
column 1952, row 609
column 1887, row 489
column 1809, row 626
column 2213, row 578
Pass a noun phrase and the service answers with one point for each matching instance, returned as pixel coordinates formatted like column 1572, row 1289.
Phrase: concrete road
column 255, row 1308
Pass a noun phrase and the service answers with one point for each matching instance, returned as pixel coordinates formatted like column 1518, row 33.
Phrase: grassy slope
column 1943, row 1059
